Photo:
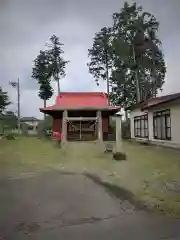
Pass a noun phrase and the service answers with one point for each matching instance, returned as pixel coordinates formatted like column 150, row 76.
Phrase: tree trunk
column 58, row 87
column 136, row 78
column 44, row 107
column 126, row 114
column 154, row 78
column 58, row 83
column 107, row 76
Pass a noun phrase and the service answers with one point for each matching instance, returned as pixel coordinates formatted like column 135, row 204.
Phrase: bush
column 9, row 136
column 48, row 133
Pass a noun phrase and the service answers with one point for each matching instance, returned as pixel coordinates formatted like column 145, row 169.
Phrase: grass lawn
column 152, row 174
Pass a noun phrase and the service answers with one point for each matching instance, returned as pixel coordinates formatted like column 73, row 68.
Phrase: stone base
column 119, row 156
column 108, row 148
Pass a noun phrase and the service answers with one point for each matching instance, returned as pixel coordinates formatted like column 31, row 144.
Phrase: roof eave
column 113, row 110
column 54, row 108
column 160, row 103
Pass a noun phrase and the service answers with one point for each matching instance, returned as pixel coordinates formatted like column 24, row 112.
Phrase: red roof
column 70, row 100
column 82, row 99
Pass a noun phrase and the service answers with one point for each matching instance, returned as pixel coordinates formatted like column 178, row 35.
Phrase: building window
column 30, row 127
column 141, row 126
column 162, row 125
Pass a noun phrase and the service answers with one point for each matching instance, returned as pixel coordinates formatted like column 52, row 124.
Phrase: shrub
column 9, row 136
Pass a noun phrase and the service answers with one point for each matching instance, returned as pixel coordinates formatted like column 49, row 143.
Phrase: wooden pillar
column 118, row 133
column 64, row 127
column 100, row 129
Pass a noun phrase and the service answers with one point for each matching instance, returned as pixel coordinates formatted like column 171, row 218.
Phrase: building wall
column 105, row 124
column 57, row 125
column 175, row 119
column 34, row 125
column 175, row 123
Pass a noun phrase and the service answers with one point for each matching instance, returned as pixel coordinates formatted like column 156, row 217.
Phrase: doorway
column 81, row 130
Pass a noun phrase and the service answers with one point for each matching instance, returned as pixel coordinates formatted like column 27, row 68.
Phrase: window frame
column 30, row 127
column 162, row 115
column 139, row 127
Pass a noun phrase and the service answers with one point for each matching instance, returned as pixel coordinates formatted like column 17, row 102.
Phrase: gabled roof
column 81, row 101
column 152, row 102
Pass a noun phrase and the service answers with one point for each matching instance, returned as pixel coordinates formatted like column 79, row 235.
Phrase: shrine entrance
column 81, row 130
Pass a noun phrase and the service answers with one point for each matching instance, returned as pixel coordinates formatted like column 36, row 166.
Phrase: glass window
column 141, row 126
column 162, row 125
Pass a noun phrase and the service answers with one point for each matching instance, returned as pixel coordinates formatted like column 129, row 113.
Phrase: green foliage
column 101, row 55
column 137, row 51
column 8, row 121
column 40, row 70
column 41, row 73
column 130, row 52
column 4, row 100
column 10, row 136
column 45, row 92
column 57, row 63
column 48, row 64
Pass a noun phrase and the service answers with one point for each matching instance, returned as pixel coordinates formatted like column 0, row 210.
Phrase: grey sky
column 26, row 26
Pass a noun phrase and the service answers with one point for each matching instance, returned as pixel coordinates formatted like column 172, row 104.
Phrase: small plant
column 10, row 136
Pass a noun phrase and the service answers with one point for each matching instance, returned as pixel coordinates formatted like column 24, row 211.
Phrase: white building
column 157, row 121
column 32, row 124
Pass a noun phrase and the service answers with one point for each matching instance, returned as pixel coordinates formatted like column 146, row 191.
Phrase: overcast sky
column 26, row 25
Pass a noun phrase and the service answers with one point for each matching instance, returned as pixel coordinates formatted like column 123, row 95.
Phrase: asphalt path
column 54, row 206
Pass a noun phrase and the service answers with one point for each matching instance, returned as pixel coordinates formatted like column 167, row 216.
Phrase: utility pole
column 16, row 85
column 18, row 99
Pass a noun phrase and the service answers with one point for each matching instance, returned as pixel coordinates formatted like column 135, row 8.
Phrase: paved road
column 58, row 206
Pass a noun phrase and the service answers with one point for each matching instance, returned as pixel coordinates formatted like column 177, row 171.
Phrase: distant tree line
column 4, row 100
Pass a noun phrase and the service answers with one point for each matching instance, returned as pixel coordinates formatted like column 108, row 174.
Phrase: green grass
column 152, row 174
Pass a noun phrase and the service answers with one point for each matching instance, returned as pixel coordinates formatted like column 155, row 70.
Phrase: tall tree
column 45, row 92
column 137, row 54
column 57, row 62
column 41, row 73
column 4, row 100
column 100, row 55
